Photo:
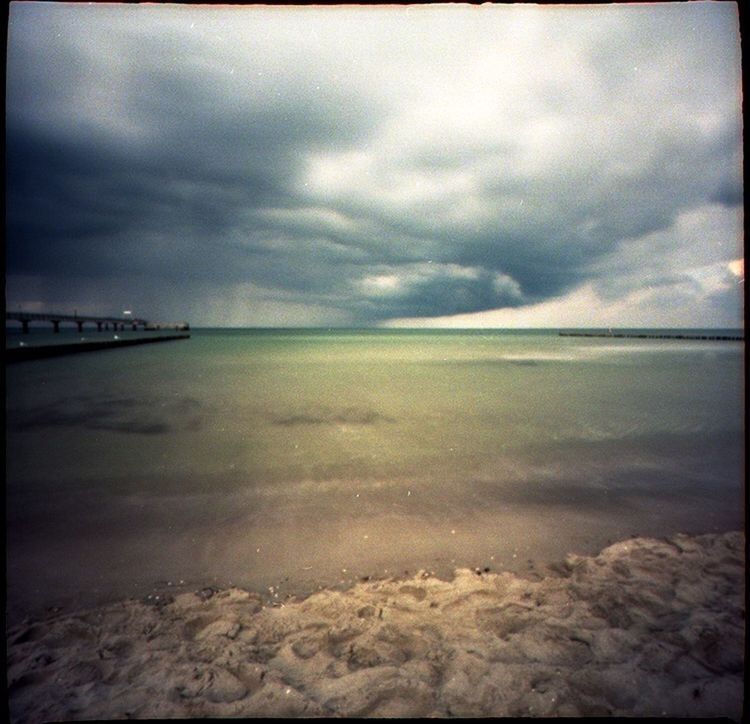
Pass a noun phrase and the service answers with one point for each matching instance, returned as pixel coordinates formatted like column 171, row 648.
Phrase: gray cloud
column 345, row 165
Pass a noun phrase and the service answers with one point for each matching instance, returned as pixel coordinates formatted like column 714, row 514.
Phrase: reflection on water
column 129, row 415
column 262, row 456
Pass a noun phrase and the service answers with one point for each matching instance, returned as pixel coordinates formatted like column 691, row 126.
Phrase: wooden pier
column 634, row 335
column 102, row 323
column 42, row 351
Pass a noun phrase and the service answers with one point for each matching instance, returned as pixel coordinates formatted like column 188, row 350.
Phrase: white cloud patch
column 737, row 268
column 382, row 285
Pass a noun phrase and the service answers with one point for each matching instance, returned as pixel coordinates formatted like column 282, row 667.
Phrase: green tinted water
column 259, row 455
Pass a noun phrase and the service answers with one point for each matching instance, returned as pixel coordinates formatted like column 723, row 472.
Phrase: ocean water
column 293, row 459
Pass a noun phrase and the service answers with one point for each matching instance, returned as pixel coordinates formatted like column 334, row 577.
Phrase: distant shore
column 648, row 627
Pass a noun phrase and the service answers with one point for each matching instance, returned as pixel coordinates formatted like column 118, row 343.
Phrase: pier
column 102, row 323
column 22, row 354
column 633, row 335
column 117, row 324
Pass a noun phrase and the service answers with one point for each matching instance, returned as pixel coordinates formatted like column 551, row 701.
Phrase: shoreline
column 648, row 627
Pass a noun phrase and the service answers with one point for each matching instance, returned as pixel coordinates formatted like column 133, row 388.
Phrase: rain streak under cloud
column 509, row 165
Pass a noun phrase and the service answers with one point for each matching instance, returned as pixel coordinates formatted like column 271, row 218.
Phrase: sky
column 424, row 166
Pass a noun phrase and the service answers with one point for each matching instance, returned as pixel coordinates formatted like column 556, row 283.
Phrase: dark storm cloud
column 352, row 166
column 94, row 209
column 163, row 200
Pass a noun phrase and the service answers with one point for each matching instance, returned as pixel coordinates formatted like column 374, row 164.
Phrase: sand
column 646, row 628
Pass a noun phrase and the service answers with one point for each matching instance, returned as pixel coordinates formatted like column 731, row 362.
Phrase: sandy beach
column 646, row 628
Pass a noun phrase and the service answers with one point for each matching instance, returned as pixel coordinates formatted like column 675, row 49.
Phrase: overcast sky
column 508, row 165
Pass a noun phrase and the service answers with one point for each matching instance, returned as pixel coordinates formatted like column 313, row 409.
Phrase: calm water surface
column 301, row 458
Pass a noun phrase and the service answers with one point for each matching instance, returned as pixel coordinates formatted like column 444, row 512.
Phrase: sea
column 286, row 460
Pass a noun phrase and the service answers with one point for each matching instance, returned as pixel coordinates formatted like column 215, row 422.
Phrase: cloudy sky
column 508, row 165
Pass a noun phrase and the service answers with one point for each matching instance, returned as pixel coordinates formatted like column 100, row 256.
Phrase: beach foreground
column 647, row 627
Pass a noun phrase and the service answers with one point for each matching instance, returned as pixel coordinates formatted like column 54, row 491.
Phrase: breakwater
column 633, row 335
column 22, row 354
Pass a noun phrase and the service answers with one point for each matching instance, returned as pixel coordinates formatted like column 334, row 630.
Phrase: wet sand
column 648, row 627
